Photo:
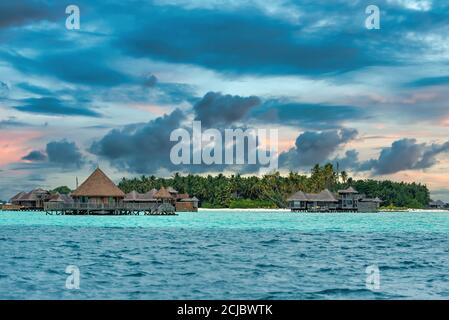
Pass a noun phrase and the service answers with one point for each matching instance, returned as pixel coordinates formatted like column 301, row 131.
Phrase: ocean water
column 225, row 255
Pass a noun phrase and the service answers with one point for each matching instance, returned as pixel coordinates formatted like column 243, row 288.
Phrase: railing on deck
column 95, row 206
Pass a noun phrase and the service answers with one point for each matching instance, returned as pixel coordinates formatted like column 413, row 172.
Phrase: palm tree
column 344, row 176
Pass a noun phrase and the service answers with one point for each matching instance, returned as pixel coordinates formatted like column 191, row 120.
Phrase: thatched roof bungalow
column 98, row 189
column 346, row 200
column 164, row 195
column 303, row 201
column 348, row 191
column 60, row 198
column 137, row 197
column 33, row 200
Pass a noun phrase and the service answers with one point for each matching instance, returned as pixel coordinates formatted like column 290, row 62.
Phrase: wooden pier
column 156, row 209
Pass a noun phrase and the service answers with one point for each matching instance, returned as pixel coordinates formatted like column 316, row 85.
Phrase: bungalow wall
column 297, row 204
column 348, row 201
column 368, row 206
column 185, row 206
column 98, row 200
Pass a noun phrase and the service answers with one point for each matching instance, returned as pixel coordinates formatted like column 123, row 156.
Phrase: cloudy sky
column 110, row 93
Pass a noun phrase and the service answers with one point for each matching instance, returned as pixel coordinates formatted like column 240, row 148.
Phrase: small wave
column 268, row 266
column 136, row 274
column 271, row 241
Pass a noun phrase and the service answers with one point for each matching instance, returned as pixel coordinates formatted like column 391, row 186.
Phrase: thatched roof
column 132, row 196
column 151, row 193
column 193, row 199
column 171, row 190
column 139, row 197
column 297, row 196
column 348, row 190
column 98, row 185
column 437, row 203
column 323, row 196
column 376, row 199
column 181, row 196
column 33, row 195
column 57, row 197
column 163, row 194
column 17, row 196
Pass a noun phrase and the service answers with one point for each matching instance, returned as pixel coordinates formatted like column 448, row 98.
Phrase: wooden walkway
column 154, row 209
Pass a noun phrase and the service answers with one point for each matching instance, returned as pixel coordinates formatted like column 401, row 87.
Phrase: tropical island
column 324, row 190
column 272, row 190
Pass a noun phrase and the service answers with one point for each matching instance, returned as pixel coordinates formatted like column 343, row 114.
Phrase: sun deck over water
column 121, row 208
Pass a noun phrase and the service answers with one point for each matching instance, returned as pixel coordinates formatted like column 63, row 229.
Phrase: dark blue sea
column 225, row 255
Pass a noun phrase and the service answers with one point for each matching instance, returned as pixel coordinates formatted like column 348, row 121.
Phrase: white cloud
column 418, row 5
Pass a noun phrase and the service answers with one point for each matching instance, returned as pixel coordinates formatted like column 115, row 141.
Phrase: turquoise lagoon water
column 225, row 255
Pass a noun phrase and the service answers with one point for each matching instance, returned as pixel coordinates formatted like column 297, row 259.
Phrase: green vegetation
column 61, row 190
column 270, row 191
column 251, row 204
column 393, row 208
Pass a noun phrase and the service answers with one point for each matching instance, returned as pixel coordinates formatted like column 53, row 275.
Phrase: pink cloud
column 15, row 145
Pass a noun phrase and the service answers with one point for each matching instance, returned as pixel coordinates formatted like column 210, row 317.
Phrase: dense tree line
column 271, row 190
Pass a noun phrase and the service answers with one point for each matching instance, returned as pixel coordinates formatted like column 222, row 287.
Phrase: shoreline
column 245, row 209
column 288, row 210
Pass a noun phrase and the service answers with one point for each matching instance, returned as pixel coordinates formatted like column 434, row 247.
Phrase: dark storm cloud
column 243, row 41
column 405, row 154
column 15, row 13
column 430, row 81
column 35, row 156
column 313, row 116
column 79, row 66
column 65, row 154
column 34, row 89
column 150, row 80
column 325, row 39
column 312, row 147
column 140, row 148
column 144, row 148
column 350, row 160
column 216, row 109
column 54, row 106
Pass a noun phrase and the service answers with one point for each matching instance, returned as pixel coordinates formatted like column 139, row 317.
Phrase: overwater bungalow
column 348, row 200
column 438, row 204
column 323, row 201
column 98, row 189
column 33, row 200
column 368, row 204
column 136, row 197
column 99, row 195
column 187, row 204
column 182, row 202
column 164, row 196
column 60, row 198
